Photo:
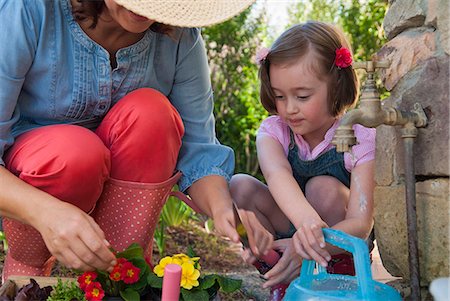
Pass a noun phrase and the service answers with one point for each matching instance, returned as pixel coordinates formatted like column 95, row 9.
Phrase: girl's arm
column 290, row 198
column 359, row 217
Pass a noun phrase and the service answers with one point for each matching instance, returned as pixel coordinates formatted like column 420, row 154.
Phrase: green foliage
column 159, row 236
column 364, row 23
column 231, row 48
column 361, row 21
column 323, row 10
column 209, row 285
column 175, row 212
column 4, row 241
column 66, row 291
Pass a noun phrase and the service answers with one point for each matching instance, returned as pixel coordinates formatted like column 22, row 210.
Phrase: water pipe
column 371, row 113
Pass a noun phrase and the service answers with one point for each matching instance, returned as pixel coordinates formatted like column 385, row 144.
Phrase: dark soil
column 217, row 255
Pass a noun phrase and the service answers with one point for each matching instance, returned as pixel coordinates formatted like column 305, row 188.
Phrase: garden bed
column 217, row 255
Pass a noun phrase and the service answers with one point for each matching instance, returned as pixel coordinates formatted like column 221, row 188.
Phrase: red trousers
column 138, row 141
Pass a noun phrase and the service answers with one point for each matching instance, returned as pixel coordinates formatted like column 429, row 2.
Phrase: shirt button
column 101, row 107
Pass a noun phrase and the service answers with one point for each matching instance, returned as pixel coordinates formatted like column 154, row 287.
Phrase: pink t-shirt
column 363, row 151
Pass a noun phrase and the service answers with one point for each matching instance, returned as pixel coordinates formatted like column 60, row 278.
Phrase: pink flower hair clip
column 343, row 58
column 261, row 55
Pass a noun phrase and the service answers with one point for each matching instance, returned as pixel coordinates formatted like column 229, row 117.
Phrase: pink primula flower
column 261, row 55
column 130, row 273
column 85, row 279
column 343, row 58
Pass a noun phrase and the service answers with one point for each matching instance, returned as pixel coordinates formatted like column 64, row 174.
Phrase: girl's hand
column 287, row 268
column 259, row 238
column 73, row 237
column 310, row 243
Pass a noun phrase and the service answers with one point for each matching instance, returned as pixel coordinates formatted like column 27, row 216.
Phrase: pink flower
column 94, row 292
column 343, row 58
column 261, row 55
column 116, row 274
column 86, row 279
column 130, row 273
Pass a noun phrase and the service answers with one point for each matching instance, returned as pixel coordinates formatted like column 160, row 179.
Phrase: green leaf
column 133, row 251
column 175, row 212
column 190, row 252
column 207, row 281
column 229, row 285
column 154, row 281
column 194, row 295
column 130, row 295
column 66, row 291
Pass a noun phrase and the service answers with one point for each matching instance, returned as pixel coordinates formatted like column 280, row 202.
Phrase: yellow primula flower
column 159, row 269
column 189, row 276
column 183, row 258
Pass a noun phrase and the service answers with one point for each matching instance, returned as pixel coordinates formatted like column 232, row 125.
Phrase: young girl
column 307, row 83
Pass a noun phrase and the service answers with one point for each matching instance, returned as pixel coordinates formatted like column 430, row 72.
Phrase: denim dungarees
column 330, row 163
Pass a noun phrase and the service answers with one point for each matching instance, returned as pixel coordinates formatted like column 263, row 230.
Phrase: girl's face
column 301, row 99
column 128, row 20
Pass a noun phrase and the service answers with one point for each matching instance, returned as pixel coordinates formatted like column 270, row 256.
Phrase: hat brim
column 186, row 13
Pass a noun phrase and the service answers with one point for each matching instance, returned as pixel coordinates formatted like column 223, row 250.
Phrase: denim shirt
column 51, row 72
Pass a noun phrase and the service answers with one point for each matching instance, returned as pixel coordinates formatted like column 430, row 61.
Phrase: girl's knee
column 243, row 188
column 327, row 194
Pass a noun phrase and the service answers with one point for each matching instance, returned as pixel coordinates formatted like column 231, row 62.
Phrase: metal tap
column 371, row 113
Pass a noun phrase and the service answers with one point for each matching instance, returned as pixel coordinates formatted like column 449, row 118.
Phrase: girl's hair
column 322, row 40
column 91, row 9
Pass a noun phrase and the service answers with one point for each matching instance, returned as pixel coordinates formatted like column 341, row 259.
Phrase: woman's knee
column 151, row 114
column 143, row 132
column 68, row 162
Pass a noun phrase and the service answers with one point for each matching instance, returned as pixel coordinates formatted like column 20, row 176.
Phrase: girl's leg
column 66, row 161
column 250, row 194
column 329, row 197
column 143, row 132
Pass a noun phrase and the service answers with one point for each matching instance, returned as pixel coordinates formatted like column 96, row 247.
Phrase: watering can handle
column 354, row 245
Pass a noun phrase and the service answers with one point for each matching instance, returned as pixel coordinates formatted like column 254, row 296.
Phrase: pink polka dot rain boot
column 128, row 211
column 27, row 253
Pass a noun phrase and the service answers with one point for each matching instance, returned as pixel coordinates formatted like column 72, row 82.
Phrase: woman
column 101, row 102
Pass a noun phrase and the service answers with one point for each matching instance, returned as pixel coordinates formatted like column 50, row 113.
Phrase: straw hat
column 186, row 13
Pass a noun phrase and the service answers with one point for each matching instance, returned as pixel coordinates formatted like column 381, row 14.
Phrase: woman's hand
column 287, row 268
column 73, row 237
column 309, row 242
column 224, row 223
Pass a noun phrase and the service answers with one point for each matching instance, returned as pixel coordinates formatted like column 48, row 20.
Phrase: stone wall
column 418, row 50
